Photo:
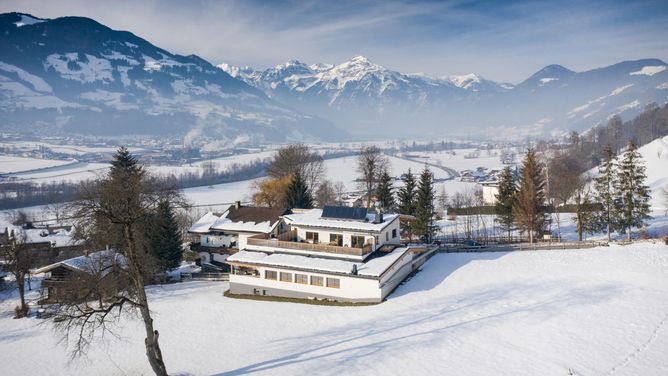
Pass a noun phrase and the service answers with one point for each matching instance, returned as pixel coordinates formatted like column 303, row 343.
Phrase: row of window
column 356, row 241
column 302, row 279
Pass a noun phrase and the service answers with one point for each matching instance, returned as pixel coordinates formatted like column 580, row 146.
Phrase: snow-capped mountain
column 366, row 98
column 72, row 74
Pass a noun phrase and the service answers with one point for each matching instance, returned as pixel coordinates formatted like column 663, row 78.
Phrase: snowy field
column 599, row 311
column 10, row 164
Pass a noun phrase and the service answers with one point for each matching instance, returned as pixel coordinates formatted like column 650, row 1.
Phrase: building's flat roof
column 373, row 268
column 313, row 218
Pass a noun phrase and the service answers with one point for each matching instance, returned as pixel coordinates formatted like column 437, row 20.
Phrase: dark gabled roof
column 344, row 212
column 255, row 214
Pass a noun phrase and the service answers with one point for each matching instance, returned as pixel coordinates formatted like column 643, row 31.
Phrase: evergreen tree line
column 618, row 199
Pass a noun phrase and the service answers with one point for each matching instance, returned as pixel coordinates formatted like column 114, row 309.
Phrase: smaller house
column 94, row 276
column 223, row 234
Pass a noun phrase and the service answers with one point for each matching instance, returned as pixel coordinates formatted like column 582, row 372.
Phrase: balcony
column 289, row 240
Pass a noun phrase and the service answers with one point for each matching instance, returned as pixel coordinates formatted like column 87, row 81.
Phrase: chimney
column 354, row 271
column 237, row 204
column 379, row 217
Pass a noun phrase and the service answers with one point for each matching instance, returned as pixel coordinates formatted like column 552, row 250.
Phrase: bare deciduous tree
column 114, row 211
column 297, row 158
column 371, row 163
column 18, row 260
column 563, row 175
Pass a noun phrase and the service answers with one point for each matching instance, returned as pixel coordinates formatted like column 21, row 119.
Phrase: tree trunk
column 20, row 281
column 153, row 352
column 556, row 213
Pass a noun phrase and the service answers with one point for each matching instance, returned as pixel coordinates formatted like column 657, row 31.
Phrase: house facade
column 334, row 253
column 223, row 234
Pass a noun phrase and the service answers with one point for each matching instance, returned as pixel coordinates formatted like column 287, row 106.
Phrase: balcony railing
column 288, row 240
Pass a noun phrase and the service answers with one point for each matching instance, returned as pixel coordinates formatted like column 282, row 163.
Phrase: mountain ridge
column 95, row 80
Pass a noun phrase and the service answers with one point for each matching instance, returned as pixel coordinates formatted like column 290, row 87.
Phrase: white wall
column 350, row 288
column 385, row 237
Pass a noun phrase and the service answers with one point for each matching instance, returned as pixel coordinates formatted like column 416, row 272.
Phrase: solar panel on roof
column 344, row 212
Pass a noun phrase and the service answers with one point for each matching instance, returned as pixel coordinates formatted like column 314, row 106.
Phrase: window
column 387, row 236
column 270, row 274
column 311, row 237
column 394, row 233
column 316, row 281
column 301, row 278
column 336, row 239
column 286, row 277
column 357, row 241
column 333, row 283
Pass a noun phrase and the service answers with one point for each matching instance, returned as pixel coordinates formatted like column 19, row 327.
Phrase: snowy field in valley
column 598, row 311
column 11, row 164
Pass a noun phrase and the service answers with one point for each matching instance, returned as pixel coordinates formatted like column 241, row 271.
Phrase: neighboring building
column 223, row 234
column 48, row 244
column 334, row 253
column 489, row 191
column 94, row 276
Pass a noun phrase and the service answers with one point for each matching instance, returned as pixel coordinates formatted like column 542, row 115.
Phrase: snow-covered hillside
column 655, row 155
column 580, row 312
column 72, row 74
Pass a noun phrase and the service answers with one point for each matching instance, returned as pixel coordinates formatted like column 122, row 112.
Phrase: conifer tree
column 605, row 185
column 406, row 194
column 298, row 195
column 585, row 214
column 423, row 226
column 633, row 194
column 385, row 192
column 528, row 206
column 164, row 237
column 504, row 201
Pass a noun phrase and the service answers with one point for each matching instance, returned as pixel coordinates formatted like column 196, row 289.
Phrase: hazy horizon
column 503, row 42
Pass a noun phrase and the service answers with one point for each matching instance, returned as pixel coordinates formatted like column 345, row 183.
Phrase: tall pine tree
column 406, row 194
column 385, row 192
column 165, row 241
column 504, row 201
column 633, row 200
column 297, row 194
column 605, row 185
column 423, row 225
column 528, row 206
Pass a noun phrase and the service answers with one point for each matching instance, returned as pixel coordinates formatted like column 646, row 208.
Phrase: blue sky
column 502, row 40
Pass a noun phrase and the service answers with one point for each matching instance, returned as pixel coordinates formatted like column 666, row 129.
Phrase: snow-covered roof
column 293, row 261
column 239, row 219
column 58, row 237
column 377, row 266
column 92, row 263
column 204, row 224
column 313, row 218
column 373, row 268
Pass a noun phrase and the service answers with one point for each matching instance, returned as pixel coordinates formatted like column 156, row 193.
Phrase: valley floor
column 599, row 311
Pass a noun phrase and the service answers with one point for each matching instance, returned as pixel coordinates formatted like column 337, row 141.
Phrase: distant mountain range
column 74, row 75
column 368, row 99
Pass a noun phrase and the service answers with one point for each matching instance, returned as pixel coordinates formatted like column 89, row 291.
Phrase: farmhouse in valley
column 335, row 253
